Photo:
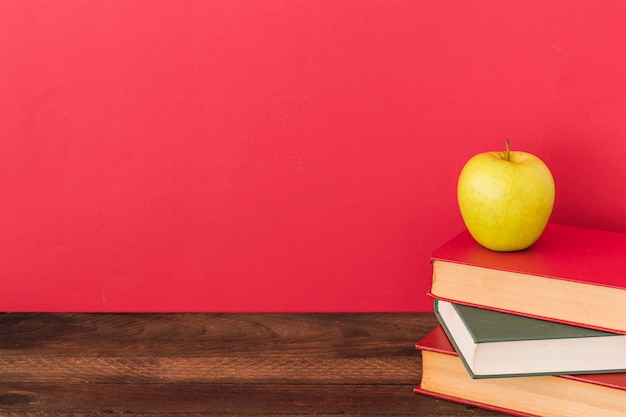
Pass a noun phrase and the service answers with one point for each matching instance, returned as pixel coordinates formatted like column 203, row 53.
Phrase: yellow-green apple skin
column 506, row 204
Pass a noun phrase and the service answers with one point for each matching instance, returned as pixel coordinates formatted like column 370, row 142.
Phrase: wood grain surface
column 215, row 364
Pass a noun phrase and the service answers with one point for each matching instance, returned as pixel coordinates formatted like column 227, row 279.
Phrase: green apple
column 505, row 198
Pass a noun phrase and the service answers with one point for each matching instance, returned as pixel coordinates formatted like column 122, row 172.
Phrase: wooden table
column 215, row 364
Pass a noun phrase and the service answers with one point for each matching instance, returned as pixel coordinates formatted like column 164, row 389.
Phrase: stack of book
column 540, row 332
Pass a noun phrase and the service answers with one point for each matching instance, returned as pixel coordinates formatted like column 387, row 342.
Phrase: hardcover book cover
column 571, row 274
column 496, row 344
column 591, row 395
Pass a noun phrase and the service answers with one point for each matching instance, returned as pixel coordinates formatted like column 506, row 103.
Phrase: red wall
column 284, row 155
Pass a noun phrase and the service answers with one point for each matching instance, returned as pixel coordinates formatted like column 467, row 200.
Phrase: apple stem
column 508, row 150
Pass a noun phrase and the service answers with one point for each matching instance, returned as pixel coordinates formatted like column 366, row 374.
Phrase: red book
column 571, row 274
column 444, row 376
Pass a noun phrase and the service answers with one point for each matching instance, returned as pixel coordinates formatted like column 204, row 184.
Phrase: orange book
column 571, row 274
column 444, row 376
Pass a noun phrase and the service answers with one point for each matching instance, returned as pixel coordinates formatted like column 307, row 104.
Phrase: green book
column 496, row 344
